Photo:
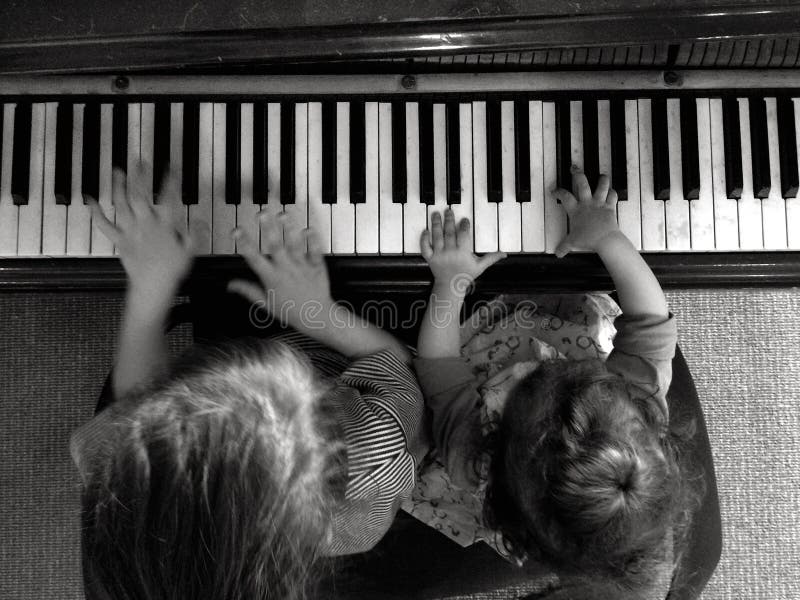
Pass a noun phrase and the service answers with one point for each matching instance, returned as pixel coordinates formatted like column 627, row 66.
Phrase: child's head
column 584, row 476
column 214, row 482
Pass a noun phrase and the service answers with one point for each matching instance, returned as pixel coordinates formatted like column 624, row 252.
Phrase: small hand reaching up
column 448, row 251
column 592, row 217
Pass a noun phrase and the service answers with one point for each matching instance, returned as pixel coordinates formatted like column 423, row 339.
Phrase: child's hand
column 592, row 217
column 291, row 280
column 448, row 251
column 156, row 253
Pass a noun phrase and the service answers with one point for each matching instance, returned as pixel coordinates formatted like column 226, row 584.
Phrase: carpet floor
column 743, row 347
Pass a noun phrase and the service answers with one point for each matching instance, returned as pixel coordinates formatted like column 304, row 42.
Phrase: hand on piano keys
column 693, row 174
column 154, row 247
column 592, row 215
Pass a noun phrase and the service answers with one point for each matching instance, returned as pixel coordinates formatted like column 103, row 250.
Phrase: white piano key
column 273, row 206
column 533, row 225
column 485, row 221
column 54, row 216
column 247, row 209
column 555, row 218
column 653, row 221
column 576, row 134
column 101, row 245
column 773, row 207
column 146, row 142
column 134, row 143
column 509, row 211
column 726, row 210
column 297, row 213
column 201, row 213
column 701, row 210
column 750, row 229
column 629, row 212
column 676, row 207
column 463, row 209
column 176, row 160
column 415, row 213
column 367, row 227
column 319, row 213
column 439, row 160
column 343, row 213
column 9, row 212
column 604, row 138
column 29, row 242
column 391, row 213
column 793, row 204
column 223, row 214
column 79, row 223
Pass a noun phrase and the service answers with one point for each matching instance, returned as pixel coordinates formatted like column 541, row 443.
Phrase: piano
column 361, row 129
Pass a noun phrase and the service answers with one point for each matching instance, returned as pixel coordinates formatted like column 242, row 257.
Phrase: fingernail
column 575, row 169
column 237, row 233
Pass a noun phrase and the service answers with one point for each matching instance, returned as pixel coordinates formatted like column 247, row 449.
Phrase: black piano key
column 329, row 152
column 564, row 145
column 661, row 156
column 733, row 148
column 787, row 147
column 260, row 183
column 399, row 174
column 619, row 156
column 90, row 159
column 161, row 143
column 119, row 137
column 62, row 186
column 233, row 150
column 21, row 160
column 522, row 151
column 453, row 153
column 690, row 159
column 759, row 147
column 591, row 160
column 287, row 152
column 494, row 151
column 191, row 151
column 358, row 155
column 426, row 179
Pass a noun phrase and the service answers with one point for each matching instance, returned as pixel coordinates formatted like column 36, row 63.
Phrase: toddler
column 228, row 473
column 573, row 466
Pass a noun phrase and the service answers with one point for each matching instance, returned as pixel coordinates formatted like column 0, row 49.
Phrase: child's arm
column 454, row 265
column 156, row 256
column 294, row 287
column 593, row 227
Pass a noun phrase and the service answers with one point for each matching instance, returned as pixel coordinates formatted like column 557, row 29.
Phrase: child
column 580, row 472
column 229, row 473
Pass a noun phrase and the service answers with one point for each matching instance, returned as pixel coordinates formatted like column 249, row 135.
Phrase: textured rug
column 743, row 347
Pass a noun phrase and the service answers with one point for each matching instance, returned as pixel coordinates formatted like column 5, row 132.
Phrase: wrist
column 448, row 289
column 609, row 240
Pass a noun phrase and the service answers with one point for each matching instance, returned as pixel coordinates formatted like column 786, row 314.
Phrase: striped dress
column 380, row 411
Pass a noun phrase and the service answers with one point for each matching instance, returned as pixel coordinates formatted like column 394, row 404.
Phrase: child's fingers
column 272, row 235
column 449, row 229
column 567, row 199
column 580, row 185
column 295, row 243
column 247, row 247
column 103, row 224
column 564, row 248
column 249, row 290
column 611, row 198
column 425, row 247
column 119, row 194
column 437, row 234
column 487, row 260
column 601, row 191
column 140, row 191
column 315, row 253
column 464, row 235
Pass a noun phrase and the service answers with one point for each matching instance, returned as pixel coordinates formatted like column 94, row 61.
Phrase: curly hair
column 585, row 476
column 214, row 483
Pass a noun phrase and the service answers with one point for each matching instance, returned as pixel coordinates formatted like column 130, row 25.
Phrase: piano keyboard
column 696, row 171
